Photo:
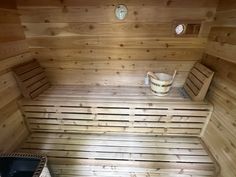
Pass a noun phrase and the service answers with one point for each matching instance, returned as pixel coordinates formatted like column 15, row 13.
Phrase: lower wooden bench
column 116, row 155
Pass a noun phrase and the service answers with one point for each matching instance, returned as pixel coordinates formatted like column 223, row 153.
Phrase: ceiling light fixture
column 121, row 12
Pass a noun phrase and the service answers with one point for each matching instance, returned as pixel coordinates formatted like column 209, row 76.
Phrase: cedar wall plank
column 103, row 77
column 220, row 57
column 160, row 3
column 64, row 35
column 13, row 50
column 9, row 32
column 105, row 14
column 106, row 54
column 116, row 42
column 8, row 16
column 8, row 4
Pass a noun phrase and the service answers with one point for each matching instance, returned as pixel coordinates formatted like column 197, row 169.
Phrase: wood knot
column 209, row 14
column 168, row 3
column 65, row 9
column 91, row 27
column 136, row 26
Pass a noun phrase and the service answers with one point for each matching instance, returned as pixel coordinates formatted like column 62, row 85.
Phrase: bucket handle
column 155, row 77
column 152, row 75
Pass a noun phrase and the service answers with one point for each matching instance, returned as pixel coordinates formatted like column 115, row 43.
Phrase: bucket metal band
column 160, row 93
column 160, row 85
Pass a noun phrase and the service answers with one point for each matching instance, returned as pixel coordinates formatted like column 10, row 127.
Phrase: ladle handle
column 173, row 77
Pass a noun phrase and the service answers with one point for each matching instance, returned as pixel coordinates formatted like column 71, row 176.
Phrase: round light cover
column 180, row 29
column 121, row 12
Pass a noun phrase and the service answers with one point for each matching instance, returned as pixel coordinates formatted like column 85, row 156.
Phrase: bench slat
column 31, row 79
column 130, row 154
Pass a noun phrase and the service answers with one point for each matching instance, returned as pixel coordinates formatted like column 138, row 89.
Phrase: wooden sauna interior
column 98, row 118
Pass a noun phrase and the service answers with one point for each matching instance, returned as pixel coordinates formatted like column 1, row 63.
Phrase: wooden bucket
column 161, row 82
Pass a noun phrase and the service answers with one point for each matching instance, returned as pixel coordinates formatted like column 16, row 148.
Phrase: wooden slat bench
column 118, row 155
column 117, row 131
column 124, row 110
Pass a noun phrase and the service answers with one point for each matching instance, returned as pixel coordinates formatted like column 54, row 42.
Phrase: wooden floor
column 122, row 155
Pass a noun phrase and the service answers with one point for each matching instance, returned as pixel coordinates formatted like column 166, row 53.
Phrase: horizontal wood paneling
column 103, row 77
column 80, row 38
column 8, row 109
column 9, row 32
column 222, row 42
column 97, row 29
column 223, row 35
column 7, row 63
column 226, row 17
column 119, row 64
column 226, row 5
column 106, row 54
column 105, row 14
column 116, row 42
column 8, row 16
column 13, row 131
column 9, row 89
column 220, row 132
column 13, row 50
column 141, row 29
column 111, row 71
column 78, row 3
column 8, row 4
column 225, row 51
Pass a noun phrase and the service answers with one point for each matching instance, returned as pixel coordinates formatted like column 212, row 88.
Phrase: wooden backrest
column 31, row 79
column 198, row 82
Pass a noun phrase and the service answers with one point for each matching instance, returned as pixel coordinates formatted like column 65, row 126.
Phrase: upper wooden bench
column 76, row 109
column 100, row 109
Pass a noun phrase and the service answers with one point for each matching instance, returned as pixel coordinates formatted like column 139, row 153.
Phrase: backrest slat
column 206, row 71
column 195, row 80
column 198, row 82
column 192, row 86
column 201, row 77
column 26, row 67
column 31, row 79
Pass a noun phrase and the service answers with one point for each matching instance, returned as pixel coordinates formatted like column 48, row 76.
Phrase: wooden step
column 118, row 155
